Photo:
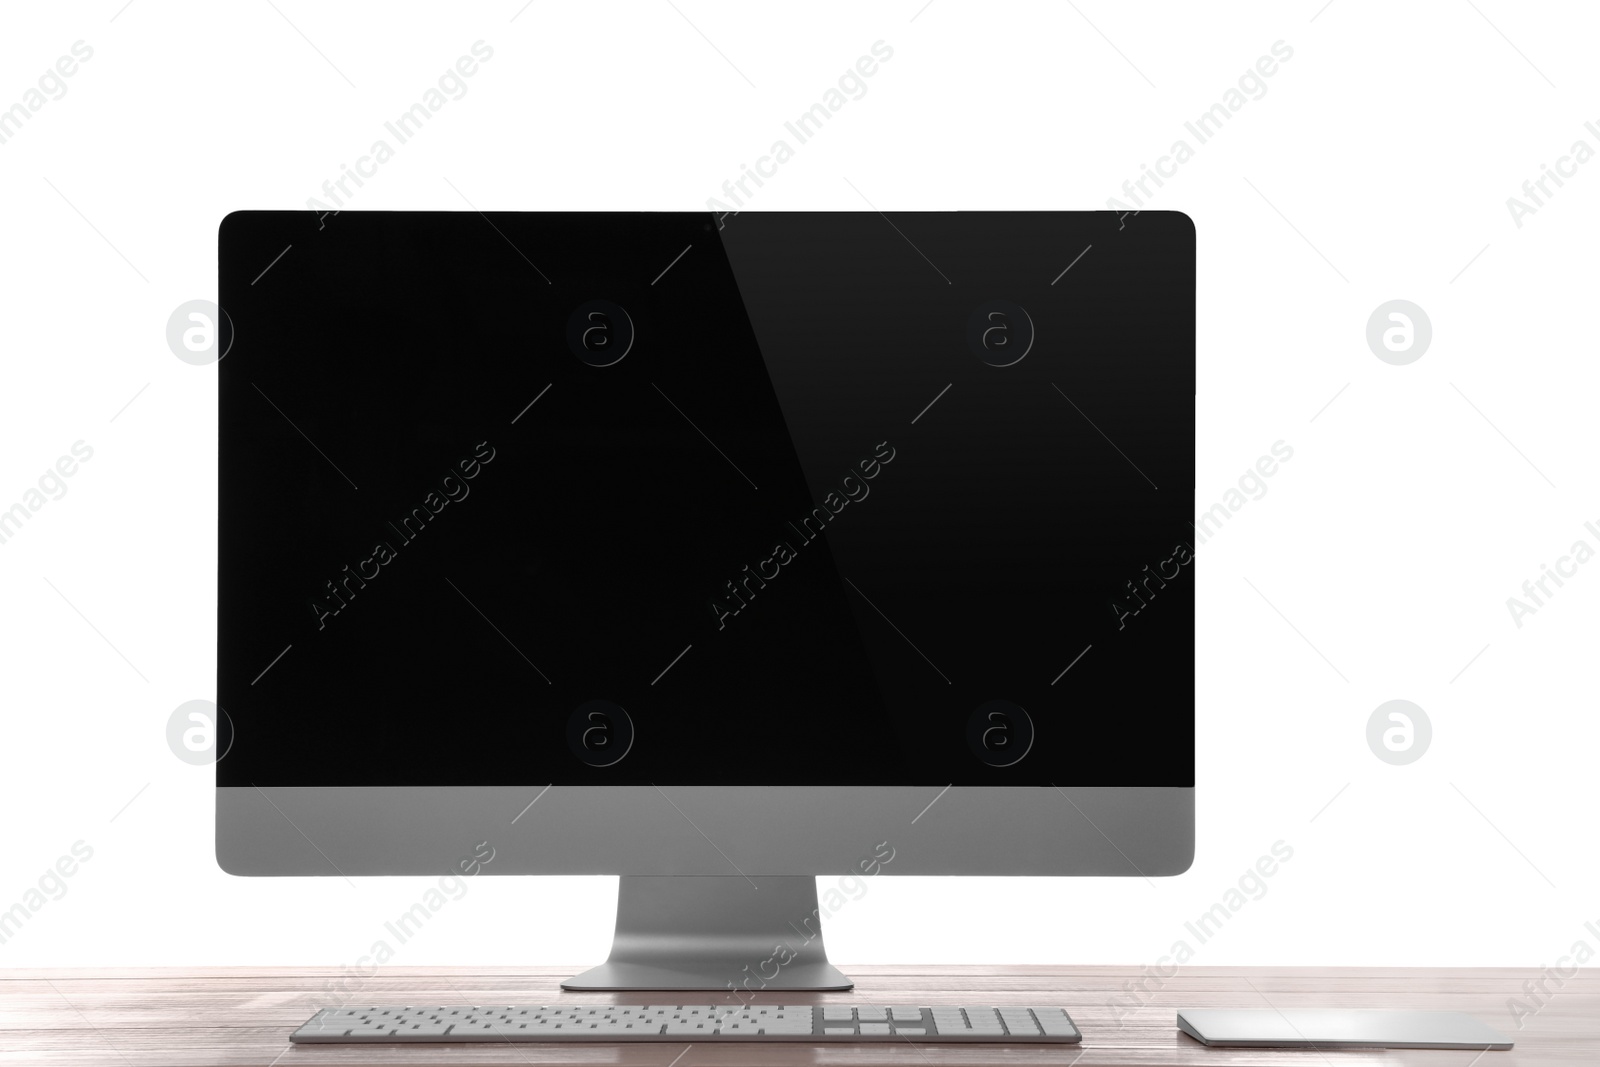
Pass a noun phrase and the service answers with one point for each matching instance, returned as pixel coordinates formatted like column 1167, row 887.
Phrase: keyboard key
column 1019, row 1022
column 906, row 1014
column 878, row 1029
column 838, row 1012
column 1055, row 1022
column 873, row 1013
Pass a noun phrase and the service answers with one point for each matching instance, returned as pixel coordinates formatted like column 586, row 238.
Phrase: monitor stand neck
column 723, row 933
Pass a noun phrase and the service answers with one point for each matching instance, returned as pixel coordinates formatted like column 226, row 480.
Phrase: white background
column 1377, row 566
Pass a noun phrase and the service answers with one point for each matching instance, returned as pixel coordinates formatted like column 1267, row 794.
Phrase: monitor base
column 724, row 933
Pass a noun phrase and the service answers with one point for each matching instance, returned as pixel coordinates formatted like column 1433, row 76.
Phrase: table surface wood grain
column 242, row 1016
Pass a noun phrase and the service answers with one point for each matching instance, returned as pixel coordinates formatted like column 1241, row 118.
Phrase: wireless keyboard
column 692, row 1022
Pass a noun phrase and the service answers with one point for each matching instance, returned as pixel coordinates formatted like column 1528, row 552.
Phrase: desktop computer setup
column 717, row 553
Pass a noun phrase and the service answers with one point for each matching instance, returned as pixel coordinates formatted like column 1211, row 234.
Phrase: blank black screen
column 801, row 531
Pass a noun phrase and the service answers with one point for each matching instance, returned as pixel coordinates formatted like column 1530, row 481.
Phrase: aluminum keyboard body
column 825, row 1023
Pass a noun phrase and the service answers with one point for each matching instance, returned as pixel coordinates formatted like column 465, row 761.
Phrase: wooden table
column 175, row 1017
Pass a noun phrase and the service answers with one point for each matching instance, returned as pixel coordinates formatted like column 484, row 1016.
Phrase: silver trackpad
column 1266, row 1028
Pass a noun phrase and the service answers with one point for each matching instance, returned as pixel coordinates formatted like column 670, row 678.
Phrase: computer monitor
column 717, row 552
